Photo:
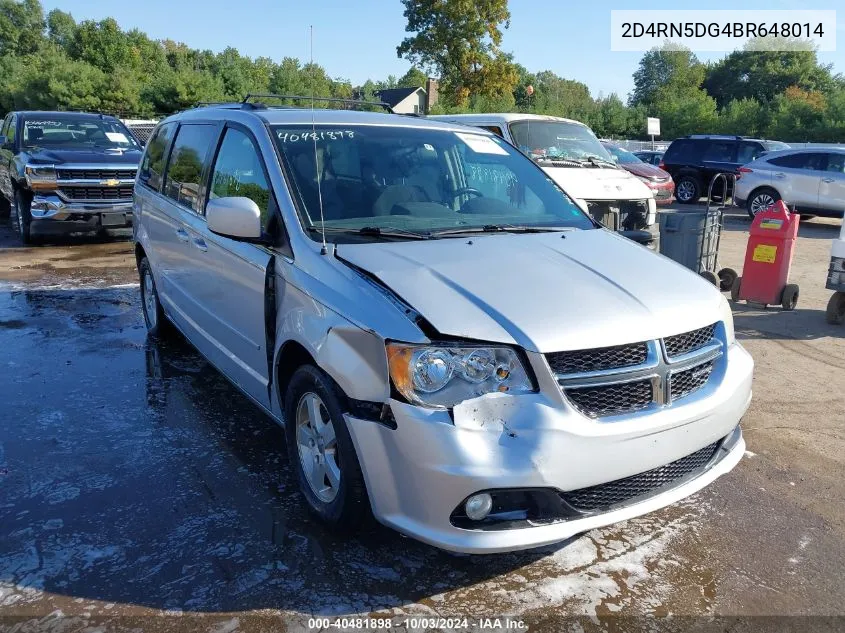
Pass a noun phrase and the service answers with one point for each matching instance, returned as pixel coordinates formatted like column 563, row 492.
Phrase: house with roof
column 410, row 100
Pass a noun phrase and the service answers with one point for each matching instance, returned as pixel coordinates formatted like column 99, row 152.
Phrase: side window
column 748, row 152
column 188, row 164
column 803, row 160
column 836, row 163
column 682, row 151
column 5, row 125
column 152, row 165
column 720, row 152
column 493, row 128
column 239, row 171
column 13, row 128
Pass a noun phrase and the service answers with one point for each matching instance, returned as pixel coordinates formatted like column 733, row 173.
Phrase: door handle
column 182, row 234
column 780, row 175
column 200, row 244
column 827, row 179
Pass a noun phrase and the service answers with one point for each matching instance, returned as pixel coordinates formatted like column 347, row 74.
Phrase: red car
column 659, row 181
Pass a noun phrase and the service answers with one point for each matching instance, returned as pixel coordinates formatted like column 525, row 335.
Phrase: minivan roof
column 505, row 117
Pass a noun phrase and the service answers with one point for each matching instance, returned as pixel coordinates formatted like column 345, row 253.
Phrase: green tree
column 460, row 40
column 414, row 77
column 665, row 68
column 743, row 117
column 21, row 27
column 610, row 118
column 61, row 28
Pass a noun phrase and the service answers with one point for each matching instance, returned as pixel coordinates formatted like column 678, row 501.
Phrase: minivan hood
column 544, row 292
column 128, row 157
column 599, row 183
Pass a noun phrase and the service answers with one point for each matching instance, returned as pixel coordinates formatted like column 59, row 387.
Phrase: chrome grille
column 97, row 193
column 94, row 174
column 689, row 341
column 597, row 359
column 685, row 382
column 602, row 400
column 603, row 496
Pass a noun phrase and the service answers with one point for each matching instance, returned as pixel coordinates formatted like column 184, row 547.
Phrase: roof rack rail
column 730, row 136
column 247, row 101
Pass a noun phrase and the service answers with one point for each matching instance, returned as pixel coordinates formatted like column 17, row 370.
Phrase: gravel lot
column 139, row 490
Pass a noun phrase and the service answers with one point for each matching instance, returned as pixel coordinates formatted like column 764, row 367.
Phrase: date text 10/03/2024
column 419, row 623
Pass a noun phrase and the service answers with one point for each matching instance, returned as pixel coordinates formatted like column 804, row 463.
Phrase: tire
column 156, row 321
column 711, row 277
column 789, row 298
column 759, row 200
column 338, row 497
column 5, row 208
column 835, row 313
column 735, row 286
column 23, row 217
column 726, row 279
column 687, row 190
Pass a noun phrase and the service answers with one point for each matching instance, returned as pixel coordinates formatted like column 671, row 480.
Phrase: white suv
column 450, row 342
column 812, row 179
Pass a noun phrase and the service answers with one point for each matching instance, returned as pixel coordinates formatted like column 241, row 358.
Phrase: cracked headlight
column 441, row 376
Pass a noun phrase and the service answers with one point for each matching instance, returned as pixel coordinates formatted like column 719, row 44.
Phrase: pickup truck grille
column 624, row 379
column 95, row 174
column 605, row 496
column 97, row 193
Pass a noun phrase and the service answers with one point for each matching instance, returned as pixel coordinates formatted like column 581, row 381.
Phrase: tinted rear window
column 802, row 160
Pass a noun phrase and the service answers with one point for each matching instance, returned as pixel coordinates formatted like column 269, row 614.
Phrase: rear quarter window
column 155, row 156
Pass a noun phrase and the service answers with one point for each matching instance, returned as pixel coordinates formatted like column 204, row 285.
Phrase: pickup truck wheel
column 154, row 317
column 321, row 451
column 24, row 218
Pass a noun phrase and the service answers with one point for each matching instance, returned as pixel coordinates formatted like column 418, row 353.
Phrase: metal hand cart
column 708, row 260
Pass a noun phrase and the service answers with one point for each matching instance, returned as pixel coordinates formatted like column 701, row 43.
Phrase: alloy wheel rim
column 685, row 190
column 761, row 203
column 317, row 447
column 150, row 307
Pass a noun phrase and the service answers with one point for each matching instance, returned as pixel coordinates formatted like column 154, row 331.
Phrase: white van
column 572, row 155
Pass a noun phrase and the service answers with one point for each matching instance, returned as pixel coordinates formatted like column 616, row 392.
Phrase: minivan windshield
column 55, row 131
column 557, row 139
column 397, row 182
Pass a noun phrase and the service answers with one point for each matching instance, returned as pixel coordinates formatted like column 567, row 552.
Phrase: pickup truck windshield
column 396, row 181
column 557, row 139
column 74, row 132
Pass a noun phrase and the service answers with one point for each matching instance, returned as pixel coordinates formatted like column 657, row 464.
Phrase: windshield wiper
column 502, row 228
column 599, row 162
column 374, row 231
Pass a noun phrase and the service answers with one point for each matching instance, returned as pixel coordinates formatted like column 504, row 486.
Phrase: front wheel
column 321, row 452
column 687, row 190
column 24, row 218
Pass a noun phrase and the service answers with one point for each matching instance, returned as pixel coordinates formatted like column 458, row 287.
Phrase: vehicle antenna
column 324, row 250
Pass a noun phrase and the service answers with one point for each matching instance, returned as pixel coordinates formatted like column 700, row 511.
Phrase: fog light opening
column 477, row 507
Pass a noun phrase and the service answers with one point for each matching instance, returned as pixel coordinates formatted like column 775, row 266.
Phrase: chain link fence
column 141, row 128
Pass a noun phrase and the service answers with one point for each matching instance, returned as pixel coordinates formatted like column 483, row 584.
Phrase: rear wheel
column 789, row 299
column 154, row 317
column 687, row 190
column 761, row 200
column 321, row 452
column 835, row 313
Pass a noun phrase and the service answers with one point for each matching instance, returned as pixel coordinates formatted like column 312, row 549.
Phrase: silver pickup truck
column 64, row 172
column 451, row 342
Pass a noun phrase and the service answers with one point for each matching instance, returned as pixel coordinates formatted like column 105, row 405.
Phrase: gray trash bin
column 690, row 238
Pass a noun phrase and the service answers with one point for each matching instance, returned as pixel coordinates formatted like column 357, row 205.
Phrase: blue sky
column 357, row 40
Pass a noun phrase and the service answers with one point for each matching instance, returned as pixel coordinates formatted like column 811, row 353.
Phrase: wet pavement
column 140, row 491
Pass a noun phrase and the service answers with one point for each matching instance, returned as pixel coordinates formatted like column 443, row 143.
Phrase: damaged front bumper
column 419, row 473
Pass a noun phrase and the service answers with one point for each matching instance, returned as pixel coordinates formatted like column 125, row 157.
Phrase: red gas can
column 768, row 258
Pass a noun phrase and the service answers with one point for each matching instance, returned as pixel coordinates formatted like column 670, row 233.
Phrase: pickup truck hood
column 84, row 156
column 542, row 291
column 599, row 183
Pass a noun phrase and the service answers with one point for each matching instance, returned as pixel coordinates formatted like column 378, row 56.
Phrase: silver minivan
column 452, row 345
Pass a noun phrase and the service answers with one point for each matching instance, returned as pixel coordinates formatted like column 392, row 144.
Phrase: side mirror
column 235, row 217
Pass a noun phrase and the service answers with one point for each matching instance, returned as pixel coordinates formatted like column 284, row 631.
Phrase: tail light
column 743, row 170
column 662, row 165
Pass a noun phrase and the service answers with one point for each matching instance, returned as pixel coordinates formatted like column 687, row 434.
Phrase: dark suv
column 65, row 172
column 694, row 160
